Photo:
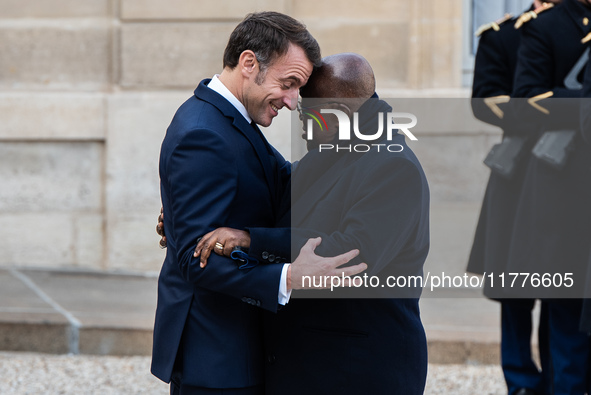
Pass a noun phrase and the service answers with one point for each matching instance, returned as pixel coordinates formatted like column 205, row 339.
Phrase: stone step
column 89, row 312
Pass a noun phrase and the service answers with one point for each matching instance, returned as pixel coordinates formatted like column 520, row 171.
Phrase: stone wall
column 87, row 89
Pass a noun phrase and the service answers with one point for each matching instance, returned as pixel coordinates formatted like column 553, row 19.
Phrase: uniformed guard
column 585, row 325
column 495, row 64
column 552, row 228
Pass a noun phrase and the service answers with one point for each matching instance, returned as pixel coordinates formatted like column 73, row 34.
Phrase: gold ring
column 219, row 245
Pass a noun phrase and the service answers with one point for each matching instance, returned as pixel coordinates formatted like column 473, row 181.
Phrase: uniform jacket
column 551, row 46
column 586, row 130
column 494, row 70
column 553, row 225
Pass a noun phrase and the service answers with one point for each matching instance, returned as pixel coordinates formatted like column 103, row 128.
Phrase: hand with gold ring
column 160, row 229
column 221, row 241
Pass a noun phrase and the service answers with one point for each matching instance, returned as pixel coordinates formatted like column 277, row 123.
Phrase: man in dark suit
column 553, row 223
column 217, row 169
column 376, row 201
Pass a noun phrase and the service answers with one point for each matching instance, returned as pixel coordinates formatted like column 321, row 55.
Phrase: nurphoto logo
column 401, row 121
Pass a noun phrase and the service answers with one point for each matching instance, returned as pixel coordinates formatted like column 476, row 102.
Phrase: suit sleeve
column 202, row 179
column 270, row 242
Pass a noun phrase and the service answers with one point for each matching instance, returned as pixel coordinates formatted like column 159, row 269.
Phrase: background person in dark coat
column 586, row 131
column 553, row 224
column 377, row 202
column 494, row 71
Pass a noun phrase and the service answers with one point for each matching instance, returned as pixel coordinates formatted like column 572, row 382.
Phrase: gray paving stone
column 32, row 373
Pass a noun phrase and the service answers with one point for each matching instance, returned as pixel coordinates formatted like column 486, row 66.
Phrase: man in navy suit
column 217, row 169
column 375, row 201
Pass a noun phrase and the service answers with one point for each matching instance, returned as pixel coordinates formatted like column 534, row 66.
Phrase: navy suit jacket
column 215, row 170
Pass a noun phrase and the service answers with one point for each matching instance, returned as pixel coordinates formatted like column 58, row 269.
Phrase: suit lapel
column 257, row 141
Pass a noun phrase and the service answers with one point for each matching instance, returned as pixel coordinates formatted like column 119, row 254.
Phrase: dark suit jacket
column 378, row 203
column 215, row 170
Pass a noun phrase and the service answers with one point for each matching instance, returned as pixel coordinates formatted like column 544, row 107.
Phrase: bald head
column 345, row 75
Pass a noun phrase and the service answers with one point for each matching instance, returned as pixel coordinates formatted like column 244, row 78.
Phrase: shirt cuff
column 284, row 294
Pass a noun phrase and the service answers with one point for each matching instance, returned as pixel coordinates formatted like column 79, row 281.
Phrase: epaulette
column 586, row 39
column 496, row 25
column 493, row 104
column 528, row 16
column 533, row 101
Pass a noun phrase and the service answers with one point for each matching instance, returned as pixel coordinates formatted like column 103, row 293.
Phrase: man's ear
column 248, row 63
